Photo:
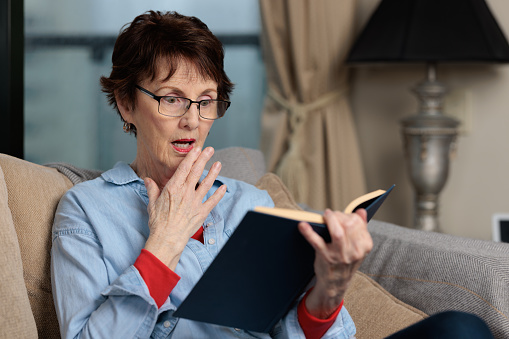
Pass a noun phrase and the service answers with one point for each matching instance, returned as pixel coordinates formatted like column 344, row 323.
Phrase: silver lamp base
column 429, row 141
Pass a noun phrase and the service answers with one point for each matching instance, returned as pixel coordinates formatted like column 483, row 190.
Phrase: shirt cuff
column 314, row 327
column 159, row 279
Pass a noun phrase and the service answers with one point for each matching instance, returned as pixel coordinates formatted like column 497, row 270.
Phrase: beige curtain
column 308, row 133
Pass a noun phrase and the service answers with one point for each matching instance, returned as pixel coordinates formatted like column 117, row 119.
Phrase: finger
column 348, row 234
column 313, row 238
column 363, row 214
column 334, row 222
column 355, row 225
column 199, row 166
column 214, row 199
column 357, row 240
column 368, row 243
column 209, row 180
column 153, row 191
column 182, row 172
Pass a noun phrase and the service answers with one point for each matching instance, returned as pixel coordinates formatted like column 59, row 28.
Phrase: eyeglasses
column 170, row 106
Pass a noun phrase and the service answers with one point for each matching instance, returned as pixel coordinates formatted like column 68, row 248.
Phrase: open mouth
column 183, row 145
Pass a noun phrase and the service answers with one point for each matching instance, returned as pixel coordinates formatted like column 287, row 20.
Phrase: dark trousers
column 450, row 324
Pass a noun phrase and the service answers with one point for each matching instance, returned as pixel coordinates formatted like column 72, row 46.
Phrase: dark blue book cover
column 259, row 273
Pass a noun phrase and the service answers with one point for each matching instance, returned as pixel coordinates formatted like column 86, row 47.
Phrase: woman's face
column 162, row 141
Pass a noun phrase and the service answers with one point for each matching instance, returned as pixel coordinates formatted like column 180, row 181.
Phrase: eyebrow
column 179, row 92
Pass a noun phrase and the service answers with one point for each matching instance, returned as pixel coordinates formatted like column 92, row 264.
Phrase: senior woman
column 129, row 245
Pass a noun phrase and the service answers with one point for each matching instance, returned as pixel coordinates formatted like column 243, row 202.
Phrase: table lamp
column 429, row 31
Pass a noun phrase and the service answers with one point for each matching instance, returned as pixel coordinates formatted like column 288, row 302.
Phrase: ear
column 125, row 110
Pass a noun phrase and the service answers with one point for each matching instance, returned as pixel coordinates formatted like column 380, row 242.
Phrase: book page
column 315, row 217
column 363, row 198
column 292, row 214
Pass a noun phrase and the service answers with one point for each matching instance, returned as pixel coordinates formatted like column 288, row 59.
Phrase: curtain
column 308, row 134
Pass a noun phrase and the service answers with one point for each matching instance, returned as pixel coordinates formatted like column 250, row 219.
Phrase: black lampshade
column 431, row 30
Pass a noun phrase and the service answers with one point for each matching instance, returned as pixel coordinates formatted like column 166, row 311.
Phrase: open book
column 370, row 202
column 263, row 268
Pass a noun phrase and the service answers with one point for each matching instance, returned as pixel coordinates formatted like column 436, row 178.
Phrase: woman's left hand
column 337, row 261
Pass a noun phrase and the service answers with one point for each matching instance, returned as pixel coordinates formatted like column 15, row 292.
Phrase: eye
column 205, row 103
column 171, row 100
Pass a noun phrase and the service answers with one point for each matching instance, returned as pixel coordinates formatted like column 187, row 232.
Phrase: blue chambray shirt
column 99, row 230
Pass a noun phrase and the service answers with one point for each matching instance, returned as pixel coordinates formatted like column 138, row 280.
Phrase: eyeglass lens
column 175, row 106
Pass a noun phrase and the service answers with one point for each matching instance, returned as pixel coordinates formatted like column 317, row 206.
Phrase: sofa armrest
column 33, row 194
column 435, row 272
column 16, row 318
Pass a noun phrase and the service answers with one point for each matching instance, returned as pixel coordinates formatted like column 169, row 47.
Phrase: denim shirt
column 99, row 230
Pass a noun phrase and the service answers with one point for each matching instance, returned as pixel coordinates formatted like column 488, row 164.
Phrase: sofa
column 409, row 274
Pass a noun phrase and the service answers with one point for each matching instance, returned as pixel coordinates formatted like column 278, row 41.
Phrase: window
column 68, row 46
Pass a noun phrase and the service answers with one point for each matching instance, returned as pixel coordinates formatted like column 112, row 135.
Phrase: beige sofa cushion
column 277, row 190
column 375, row 312
column 16, row 319
column 34, row 192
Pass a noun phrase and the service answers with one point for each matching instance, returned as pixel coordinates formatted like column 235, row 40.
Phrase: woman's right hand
column 177, row 211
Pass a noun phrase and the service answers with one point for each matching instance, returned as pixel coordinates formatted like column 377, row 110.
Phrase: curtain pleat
column 308, row 132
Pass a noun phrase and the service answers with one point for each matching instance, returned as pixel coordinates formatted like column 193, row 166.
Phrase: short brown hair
column 155, row 35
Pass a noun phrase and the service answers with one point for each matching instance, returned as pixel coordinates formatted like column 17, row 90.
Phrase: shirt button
column 167, row 324
column 209, row 224
column 237, row 329
column 212, row 241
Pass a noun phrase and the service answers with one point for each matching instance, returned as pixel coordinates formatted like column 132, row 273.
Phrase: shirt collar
column 122, row 174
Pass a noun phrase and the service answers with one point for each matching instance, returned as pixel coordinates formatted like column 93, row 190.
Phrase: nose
column 191, row 119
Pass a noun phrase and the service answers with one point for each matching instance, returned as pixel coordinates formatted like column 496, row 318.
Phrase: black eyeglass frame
column 158, row 99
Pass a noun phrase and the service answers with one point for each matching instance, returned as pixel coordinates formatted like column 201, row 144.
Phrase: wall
column 478, row 176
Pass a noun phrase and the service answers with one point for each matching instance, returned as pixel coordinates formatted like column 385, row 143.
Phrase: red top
column 160, row 281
